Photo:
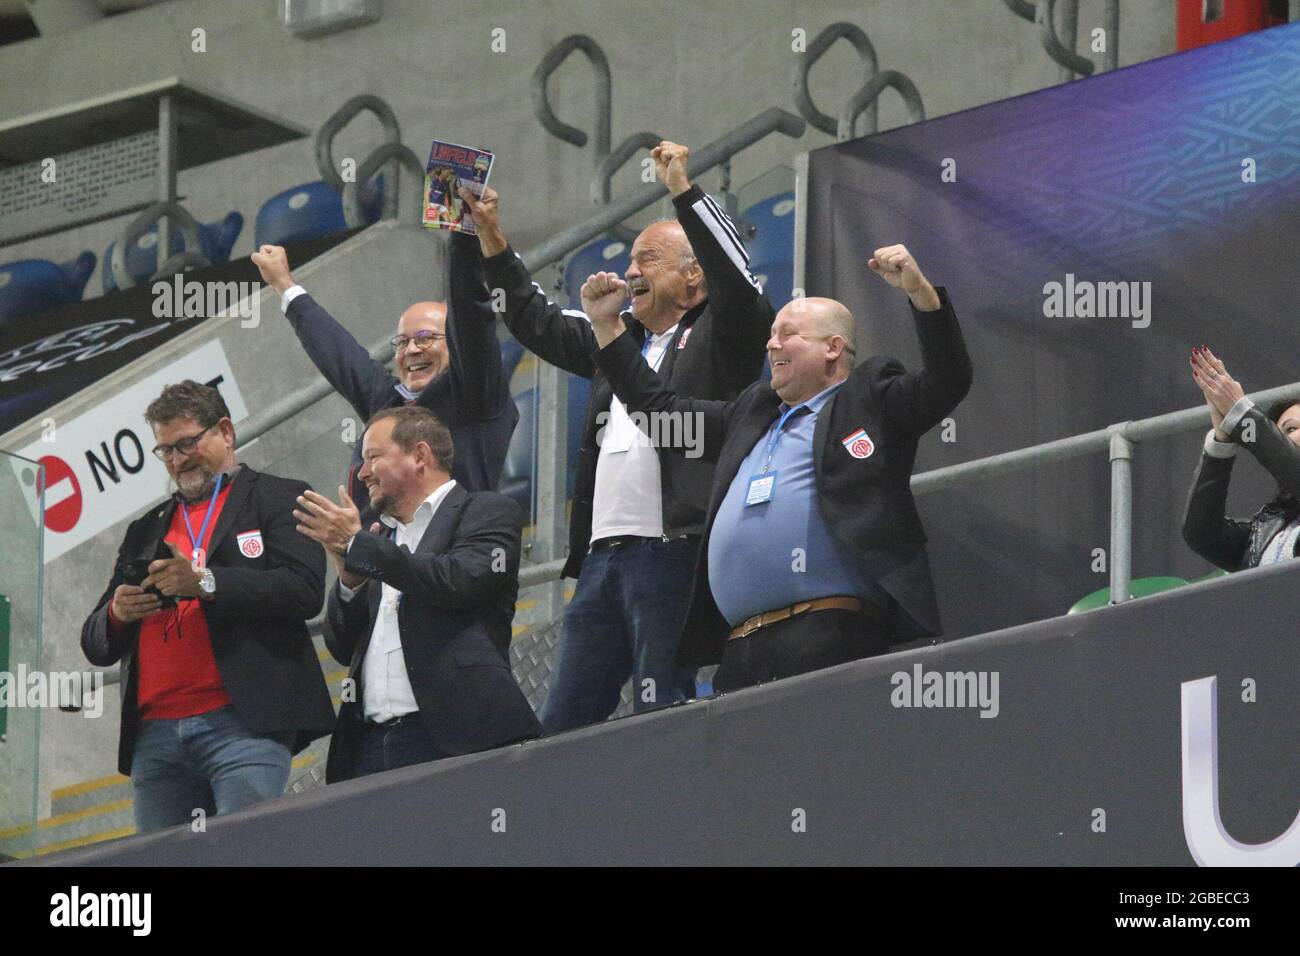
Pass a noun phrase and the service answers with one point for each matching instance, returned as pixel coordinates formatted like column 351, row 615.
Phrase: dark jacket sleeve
column 1277, row 453
column 292, row 586
column 562, row 337
column 345, row 622
column 917, row 401
column 640, row 388
column 480, row 565
column 1218, row 539
column 474, row 370
column 347, row 366
column 101, row 644
column 744, row 313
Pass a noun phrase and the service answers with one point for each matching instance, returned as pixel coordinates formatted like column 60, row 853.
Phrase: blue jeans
column 211, row 761
column 625, row 619
column 395, row 745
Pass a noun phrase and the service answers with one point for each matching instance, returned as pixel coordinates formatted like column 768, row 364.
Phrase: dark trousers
column 625, row 620
column 797, row 645
column 396, row 744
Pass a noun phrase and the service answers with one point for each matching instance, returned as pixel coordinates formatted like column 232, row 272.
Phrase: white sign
column 99, row 468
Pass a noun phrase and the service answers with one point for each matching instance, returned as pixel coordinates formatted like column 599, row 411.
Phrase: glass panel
column 22, row 512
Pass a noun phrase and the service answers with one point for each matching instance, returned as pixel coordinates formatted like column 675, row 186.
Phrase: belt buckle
column 752, row 625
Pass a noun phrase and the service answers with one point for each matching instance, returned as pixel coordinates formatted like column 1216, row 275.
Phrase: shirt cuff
column 1219, row 449
column 1236, row 413
column 289, row 295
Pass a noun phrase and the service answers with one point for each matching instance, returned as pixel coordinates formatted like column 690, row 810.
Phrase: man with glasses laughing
column 447, row 360
column 220, row 682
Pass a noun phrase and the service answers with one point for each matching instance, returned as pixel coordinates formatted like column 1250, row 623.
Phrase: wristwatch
column 207, row 583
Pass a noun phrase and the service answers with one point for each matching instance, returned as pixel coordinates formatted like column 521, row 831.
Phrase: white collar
column 431, row 503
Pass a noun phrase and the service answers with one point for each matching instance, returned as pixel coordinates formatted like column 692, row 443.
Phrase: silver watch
column 208, row 583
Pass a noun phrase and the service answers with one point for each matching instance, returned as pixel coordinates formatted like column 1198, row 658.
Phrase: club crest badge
column 686, row 334
column 250, row 543
column 859, row 444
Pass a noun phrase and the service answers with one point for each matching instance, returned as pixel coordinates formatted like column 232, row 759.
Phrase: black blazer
column 458, row 601
column 1232, row 543
column 867, row 502
column 257, row 620
column 471, row 396
column 716, row 351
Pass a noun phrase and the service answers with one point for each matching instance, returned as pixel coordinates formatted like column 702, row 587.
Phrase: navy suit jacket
column 458, row 600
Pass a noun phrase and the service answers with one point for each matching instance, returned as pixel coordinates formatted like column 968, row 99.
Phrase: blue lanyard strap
column 203, row 528
column 776, row 435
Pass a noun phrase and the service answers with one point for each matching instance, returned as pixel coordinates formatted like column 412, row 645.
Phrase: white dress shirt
column 629, row 491
column 386, row 690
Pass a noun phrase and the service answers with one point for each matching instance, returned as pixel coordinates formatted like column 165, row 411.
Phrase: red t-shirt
column 178, row 675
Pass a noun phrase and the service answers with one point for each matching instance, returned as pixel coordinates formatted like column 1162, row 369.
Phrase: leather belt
column 605, row 544
column 393, row 722
column 803, row 607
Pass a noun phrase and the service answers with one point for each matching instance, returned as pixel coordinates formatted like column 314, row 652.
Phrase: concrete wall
column 684, row 70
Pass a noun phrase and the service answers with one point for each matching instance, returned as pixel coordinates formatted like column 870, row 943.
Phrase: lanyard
column 203, row 528
column 645, row 352
column 776, row 436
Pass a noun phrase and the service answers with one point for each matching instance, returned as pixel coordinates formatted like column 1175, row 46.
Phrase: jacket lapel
column 240, row 489
column 437, row 537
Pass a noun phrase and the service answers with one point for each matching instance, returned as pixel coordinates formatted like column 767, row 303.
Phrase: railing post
column 1121, row 515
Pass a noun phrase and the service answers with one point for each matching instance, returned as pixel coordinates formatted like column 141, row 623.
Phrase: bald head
column 811, row 348
column 664, row 278
column 425, row 355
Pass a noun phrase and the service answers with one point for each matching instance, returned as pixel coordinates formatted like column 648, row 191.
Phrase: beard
column 194, row 482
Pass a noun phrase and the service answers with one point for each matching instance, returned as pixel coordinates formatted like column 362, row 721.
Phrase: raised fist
column 272, row 262
column 603, row 295
column 670, row 166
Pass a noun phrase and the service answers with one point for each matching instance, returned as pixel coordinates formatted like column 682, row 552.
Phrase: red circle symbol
column 62, row 495
column 861, row 448
column 251, row 548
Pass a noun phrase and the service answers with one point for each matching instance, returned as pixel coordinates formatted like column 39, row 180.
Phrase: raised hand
column 330, row 525
column 603, row 295
column 487, row 219
column 670, row 166
column 896, row 266
column 1220, row 389
column 273, row 263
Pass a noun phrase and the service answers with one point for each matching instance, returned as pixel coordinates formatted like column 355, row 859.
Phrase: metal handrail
column 395, row 156
column 602, row 178
column 866, row 97
column 1062, row 49
column 175, row 214
column 340, row 118
column 774, row 120
column 541, row 103
column 814, row 52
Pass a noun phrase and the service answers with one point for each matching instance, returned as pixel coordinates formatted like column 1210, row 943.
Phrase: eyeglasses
column 185, row 446
column 422, row 339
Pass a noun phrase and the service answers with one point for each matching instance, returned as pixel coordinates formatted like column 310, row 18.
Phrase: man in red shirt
column 220, row 685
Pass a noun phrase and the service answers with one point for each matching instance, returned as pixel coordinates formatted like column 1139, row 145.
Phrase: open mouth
column 638, row 287
column 418, row 366
column 777, row 363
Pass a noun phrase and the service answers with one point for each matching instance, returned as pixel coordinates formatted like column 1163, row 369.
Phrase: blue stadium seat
column 308, row 212
column 579, row 394
column 216, row 239
column 603, row 255
column 771, row 249
column 517, row 473
column 511, row 354
column 29, row 286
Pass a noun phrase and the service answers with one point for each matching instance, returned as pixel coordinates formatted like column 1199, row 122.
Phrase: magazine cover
column 450, row 167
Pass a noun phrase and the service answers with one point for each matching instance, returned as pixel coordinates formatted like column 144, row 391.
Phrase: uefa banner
column 1089, row 235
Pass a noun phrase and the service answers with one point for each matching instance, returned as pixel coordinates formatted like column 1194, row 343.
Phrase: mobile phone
column 134, row 572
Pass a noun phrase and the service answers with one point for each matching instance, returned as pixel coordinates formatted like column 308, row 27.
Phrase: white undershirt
column 629, row 493
column 386, row 689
